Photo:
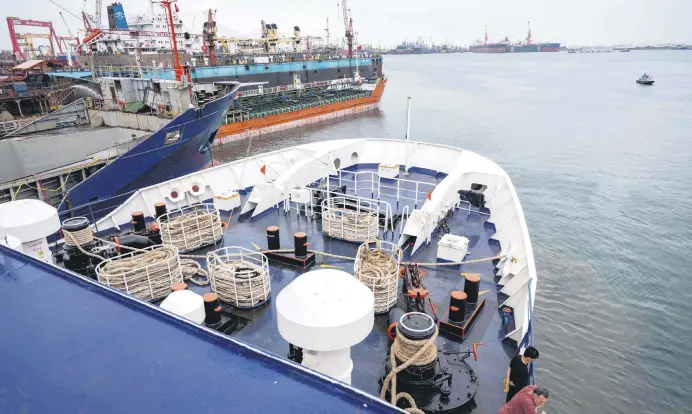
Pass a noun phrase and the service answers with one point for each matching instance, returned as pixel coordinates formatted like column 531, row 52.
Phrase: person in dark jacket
column 518, row 371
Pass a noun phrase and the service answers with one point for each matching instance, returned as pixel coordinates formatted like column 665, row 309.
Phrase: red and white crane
column 209, row 36
column 179, row 69
column 348, row 24
column 24, row 39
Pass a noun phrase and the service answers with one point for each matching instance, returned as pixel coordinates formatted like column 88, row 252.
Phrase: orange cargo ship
column 264, row 111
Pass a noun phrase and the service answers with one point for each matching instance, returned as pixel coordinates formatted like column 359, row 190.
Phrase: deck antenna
column 528, row 36
column 408, row 119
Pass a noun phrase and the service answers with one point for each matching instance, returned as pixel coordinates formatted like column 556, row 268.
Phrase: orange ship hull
column 273, row 123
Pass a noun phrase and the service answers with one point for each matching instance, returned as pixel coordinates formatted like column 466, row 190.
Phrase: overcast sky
column 388, row 22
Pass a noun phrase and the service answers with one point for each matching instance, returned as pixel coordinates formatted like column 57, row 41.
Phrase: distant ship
column 549, row 47
column 506, row 47
column 490, row 48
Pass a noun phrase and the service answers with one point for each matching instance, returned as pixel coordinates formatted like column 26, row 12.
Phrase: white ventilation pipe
column 326, row 312
column 30, row 221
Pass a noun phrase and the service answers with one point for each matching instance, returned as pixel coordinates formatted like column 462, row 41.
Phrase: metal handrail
column 530, row 333
column 8, row 127
column 388, row 219
column 379, row 193
column 404, row 217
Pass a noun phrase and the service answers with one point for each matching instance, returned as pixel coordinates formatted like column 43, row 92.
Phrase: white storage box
column 227, row 200
column 388, row 170
column 452, row 248
column 301, row 195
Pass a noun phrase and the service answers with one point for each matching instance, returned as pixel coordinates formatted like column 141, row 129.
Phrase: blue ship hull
column 120, row 355
column 158, row 158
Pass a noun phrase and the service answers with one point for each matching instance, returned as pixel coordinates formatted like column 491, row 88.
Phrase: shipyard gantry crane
column 25, row 39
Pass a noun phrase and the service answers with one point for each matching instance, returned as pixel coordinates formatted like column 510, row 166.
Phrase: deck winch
column 419, row 378
column 79, row 238
column 82, row 251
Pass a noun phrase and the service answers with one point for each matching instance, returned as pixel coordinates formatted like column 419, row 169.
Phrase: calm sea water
column 604, row 173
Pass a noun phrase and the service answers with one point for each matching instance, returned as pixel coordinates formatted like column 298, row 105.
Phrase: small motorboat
column 645, row 80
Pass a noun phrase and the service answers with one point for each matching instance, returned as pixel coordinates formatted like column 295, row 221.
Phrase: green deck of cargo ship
column 259, row 106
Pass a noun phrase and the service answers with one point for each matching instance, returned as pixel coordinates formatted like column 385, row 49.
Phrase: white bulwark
column 302, row 165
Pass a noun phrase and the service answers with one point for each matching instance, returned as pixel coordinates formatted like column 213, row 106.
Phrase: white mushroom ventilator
column 326, row 312
column 30, row 221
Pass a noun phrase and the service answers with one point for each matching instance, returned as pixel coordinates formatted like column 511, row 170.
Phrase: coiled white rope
column 191, row 230
column 240, row 283
column 147, row 275
column 192, row 269
column 79, row 237
column 350, row 225
column 379, row 271
column 411, row 352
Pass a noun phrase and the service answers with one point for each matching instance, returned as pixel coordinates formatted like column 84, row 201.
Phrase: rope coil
column 378, row 269
column 411, row 352
column 80, row 237
column 146, row 274
column 358, row 225
column 191, row 227
column 239, row 276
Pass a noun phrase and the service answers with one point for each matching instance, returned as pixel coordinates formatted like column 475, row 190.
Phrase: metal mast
column 348, row 24
column 209, row 32
column 166, row 4
column 326, row 29
column 97, row 12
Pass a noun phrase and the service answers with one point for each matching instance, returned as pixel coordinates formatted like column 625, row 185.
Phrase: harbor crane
column 209, row 36
column 348, row 24
column 22, row 44
column 66, row 39
column 179, row 69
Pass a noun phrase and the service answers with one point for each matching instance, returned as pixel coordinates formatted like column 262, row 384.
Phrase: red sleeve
column 527, row 404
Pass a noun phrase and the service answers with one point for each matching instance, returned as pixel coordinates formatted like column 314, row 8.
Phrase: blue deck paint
column 369, row 355
column 70, row 345
column 198, row 348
